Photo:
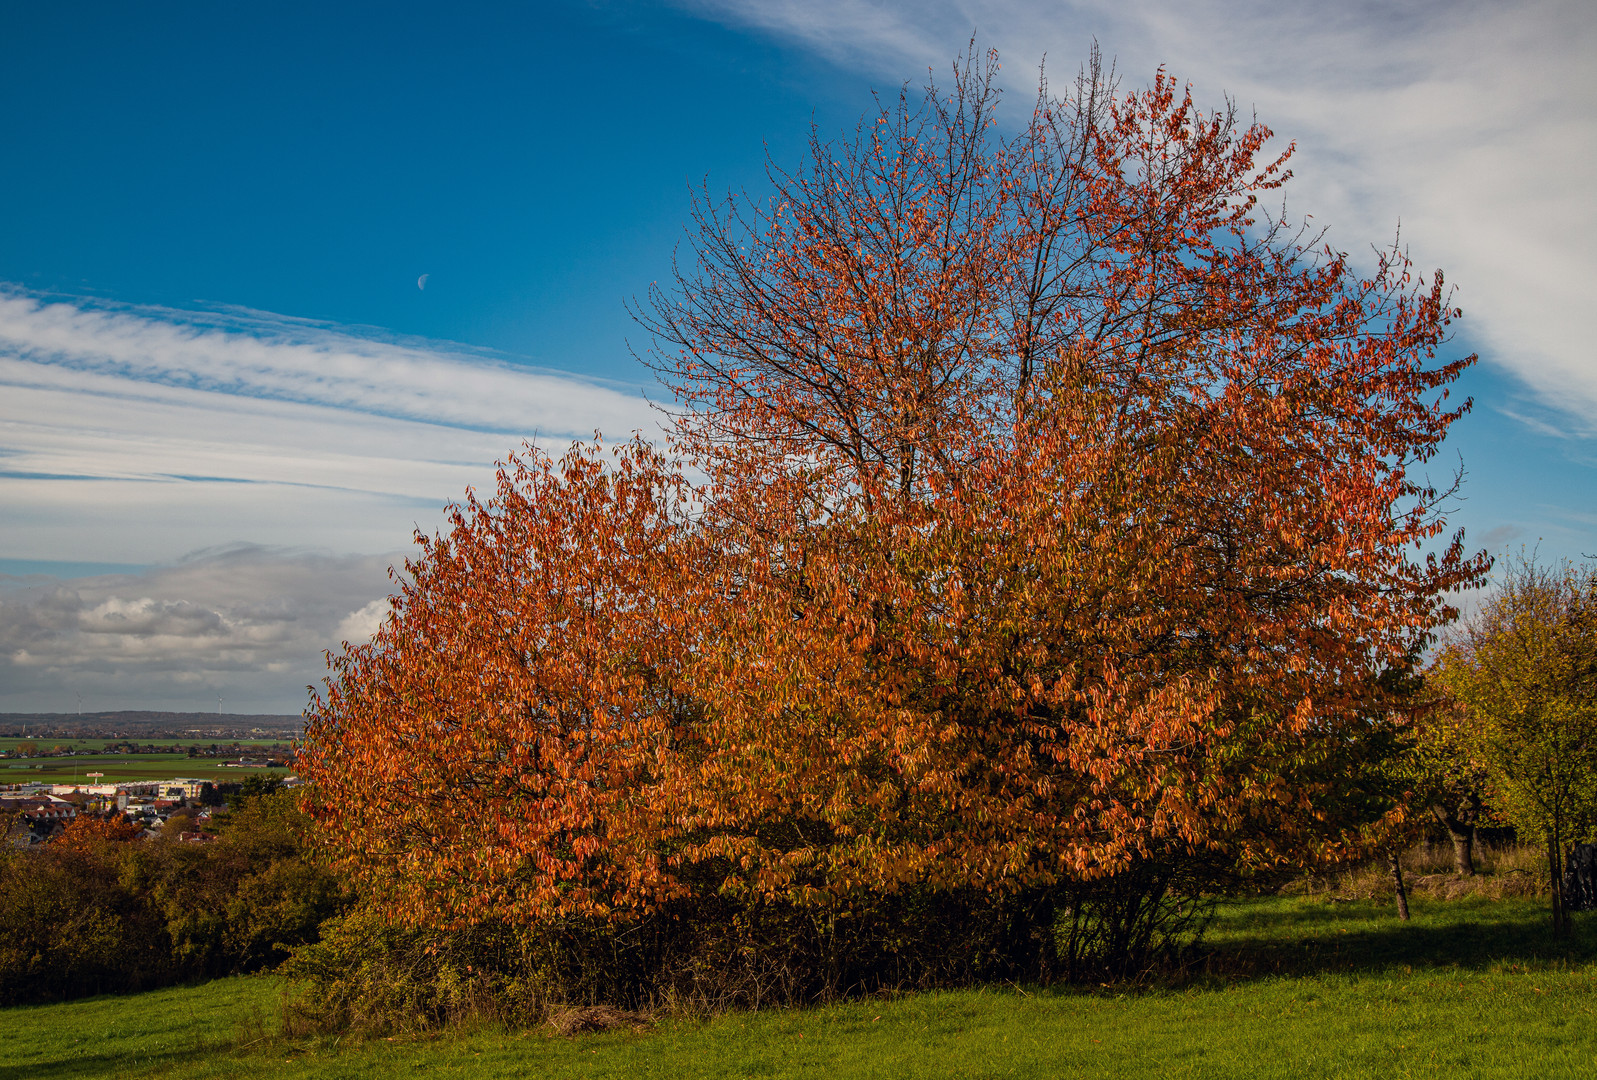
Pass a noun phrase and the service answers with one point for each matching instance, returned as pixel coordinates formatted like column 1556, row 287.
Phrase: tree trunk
column 1459, row 821
column 1397, row 880
column 1463, row 849
column 1555, row 872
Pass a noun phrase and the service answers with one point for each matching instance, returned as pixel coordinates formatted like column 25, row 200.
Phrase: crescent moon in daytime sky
column 421, row 282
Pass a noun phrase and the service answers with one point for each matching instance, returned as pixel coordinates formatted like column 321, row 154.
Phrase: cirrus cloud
column 1471, row 122
column 132, row 434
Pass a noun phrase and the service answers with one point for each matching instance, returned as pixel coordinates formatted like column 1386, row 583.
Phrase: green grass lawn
column 1292, row 989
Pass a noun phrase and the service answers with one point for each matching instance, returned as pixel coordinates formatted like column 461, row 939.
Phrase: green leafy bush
column 96, row 912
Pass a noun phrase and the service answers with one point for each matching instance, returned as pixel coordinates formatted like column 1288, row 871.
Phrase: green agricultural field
column 121, row 767
column 1294, row 989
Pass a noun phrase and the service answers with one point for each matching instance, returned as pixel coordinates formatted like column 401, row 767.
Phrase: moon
column 421, row 282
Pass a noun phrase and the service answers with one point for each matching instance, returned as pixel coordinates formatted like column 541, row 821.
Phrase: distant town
column 55, row 767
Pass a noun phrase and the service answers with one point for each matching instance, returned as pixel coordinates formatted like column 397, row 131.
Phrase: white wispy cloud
column 1472, row 123
column 133, row 434
column 261, row 356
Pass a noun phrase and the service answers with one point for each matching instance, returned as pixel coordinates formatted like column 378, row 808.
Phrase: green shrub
column 95, row 914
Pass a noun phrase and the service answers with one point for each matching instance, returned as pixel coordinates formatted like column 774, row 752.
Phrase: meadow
column 1288, row 987
column 118, row 768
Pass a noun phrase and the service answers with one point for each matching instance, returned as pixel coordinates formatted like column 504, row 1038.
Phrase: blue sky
column 314, row 160
column 225, row 403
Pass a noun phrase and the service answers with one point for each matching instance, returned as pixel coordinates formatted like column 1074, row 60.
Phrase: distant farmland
column 145, row 726
column 120, row 768
column 94, row 744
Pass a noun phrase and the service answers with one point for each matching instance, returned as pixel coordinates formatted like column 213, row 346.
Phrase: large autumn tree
column 1052, row 522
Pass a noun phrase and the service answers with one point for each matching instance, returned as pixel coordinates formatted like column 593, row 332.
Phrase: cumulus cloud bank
column 1472, row 122
column 247, row 622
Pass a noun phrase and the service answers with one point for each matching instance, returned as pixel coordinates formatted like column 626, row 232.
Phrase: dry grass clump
column 589, row 1018
column 1500, row 872
column 1450, row 886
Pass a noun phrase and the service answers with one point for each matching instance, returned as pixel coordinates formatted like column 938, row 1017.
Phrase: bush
column 714, row 953
column 97, row 911
column 70, row 926
column 372, row 977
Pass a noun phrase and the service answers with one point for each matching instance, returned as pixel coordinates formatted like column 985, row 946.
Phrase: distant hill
column 135, row 724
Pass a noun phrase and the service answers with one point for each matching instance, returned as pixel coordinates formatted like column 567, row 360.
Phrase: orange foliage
column 1056, row 512
column 85, row 832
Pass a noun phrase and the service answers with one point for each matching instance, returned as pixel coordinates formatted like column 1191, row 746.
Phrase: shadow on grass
column 102, row 1065
column 1282, row 936
column 162, row 1031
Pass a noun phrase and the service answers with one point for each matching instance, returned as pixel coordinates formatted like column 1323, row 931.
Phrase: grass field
column 1292, row 989
column 118, row 768
column 124, row 767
